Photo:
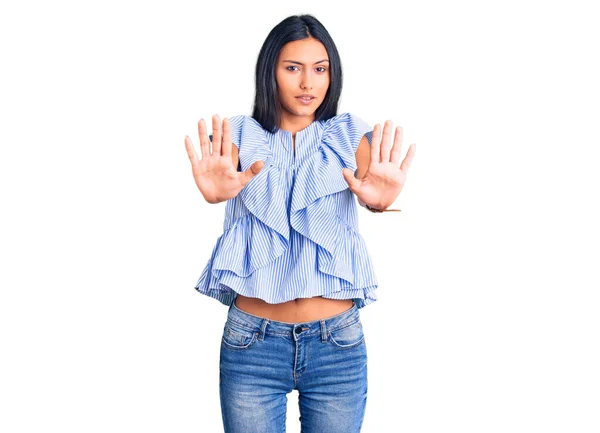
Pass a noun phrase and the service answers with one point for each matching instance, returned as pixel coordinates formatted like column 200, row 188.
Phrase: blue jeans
column 263, row 360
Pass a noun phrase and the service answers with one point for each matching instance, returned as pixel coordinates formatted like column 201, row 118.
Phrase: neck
column 294, row 124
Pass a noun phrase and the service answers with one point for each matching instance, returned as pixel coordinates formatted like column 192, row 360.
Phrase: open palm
column 216, row 177
column 384, row 180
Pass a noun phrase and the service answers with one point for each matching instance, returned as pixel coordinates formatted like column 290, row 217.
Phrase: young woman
column 290, row 264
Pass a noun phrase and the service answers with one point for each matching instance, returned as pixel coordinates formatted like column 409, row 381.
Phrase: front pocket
column 236, row 337
column 348, row 336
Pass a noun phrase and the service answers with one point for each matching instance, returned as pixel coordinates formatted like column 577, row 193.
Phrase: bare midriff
column 295, row 311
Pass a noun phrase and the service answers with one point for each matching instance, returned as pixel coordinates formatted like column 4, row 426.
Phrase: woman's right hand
column 216, row 177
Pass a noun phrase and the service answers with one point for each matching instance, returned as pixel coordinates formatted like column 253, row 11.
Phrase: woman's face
column 302, row 68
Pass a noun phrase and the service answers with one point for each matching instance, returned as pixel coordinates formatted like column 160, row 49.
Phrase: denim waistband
column 268, row 326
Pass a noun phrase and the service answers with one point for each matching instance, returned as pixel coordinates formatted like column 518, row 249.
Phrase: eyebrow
column 302, row 64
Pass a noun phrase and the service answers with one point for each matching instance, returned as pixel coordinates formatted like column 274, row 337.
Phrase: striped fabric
column 292, row 231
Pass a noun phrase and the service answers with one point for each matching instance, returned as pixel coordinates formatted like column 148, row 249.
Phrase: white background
column 487, row 318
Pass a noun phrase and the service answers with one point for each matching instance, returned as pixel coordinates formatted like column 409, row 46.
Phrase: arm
column 215, row 174
column 363, row 159
column 378, row 180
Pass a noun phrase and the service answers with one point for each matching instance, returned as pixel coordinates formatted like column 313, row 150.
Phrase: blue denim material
column 263, row 360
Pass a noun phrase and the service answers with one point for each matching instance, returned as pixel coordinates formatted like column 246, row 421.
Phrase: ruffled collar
column 301, row 132
column 306, row 139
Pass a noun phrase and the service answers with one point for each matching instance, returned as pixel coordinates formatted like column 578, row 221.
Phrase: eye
column 321, row 67
column 288, row 68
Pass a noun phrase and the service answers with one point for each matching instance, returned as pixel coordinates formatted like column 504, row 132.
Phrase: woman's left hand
column 383, row 180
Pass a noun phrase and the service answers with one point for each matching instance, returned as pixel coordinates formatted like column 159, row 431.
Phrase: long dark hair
column 267, row 108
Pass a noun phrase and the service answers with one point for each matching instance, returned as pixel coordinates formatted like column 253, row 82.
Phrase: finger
column 226, row 142
column 375, row 140
column 252, row 171
column 216, row 139
column 351, row 180
column 397, row 149
column 191, row 152
column 408, row 158
column 386, row 142
column 204, row 142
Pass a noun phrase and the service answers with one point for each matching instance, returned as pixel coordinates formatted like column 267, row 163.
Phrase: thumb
column 252, row 171
column 350, row 179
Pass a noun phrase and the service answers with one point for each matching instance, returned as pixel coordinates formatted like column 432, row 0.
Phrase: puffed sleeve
column 348, row 129
column 342, row 135
column 359, row 127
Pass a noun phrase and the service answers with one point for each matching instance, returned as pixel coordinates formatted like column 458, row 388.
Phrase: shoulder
column 348, row 119
column 245, row 128
column 236, row 123
column 349, row 127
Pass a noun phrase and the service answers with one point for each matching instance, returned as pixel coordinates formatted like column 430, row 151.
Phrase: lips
column 306, row 97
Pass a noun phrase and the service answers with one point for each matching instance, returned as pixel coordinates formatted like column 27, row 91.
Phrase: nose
column 306, row 83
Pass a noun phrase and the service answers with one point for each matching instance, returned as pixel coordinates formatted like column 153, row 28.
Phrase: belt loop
column 263, row 327
column 323, row 332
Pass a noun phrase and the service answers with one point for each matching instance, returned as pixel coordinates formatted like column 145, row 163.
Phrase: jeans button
column 298, row 331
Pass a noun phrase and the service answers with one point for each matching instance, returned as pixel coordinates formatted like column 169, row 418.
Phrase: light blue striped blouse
column 292, row 231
